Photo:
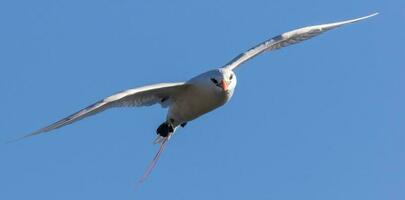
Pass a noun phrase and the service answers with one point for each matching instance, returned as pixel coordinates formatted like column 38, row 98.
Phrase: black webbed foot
column 164, row 129
column 183, row 124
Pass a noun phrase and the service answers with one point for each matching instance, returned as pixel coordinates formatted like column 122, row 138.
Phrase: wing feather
column 142, row 96
column 286, row 39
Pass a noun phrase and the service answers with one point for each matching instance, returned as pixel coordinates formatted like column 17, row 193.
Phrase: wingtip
column 372, row 15
column 357, row 19
column 15, row 140
column 368, row 16
column 22, row 137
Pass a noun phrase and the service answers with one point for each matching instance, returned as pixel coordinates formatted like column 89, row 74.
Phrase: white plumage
column 189, row 100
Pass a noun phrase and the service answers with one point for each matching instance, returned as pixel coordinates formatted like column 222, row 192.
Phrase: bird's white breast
column 196, row 101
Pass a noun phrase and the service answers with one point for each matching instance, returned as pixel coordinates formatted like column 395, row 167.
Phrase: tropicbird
column 201, row 94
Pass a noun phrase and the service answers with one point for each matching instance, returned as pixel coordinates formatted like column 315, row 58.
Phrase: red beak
column 224, row 85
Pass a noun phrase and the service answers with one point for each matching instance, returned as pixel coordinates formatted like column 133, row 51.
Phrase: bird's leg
column 165, row 129
column 183, row 124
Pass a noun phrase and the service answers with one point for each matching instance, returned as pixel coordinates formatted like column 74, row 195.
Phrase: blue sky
column 318, row 120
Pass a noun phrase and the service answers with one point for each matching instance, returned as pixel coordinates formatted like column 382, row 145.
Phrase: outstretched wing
column 286, row 39
column 162, row 93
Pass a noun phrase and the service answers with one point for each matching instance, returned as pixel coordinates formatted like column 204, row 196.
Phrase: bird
column 187, row 101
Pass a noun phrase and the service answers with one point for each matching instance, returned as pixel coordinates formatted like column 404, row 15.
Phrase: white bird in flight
column 201, row 94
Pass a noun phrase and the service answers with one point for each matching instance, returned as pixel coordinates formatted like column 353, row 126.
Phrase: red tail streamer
column 152, row 165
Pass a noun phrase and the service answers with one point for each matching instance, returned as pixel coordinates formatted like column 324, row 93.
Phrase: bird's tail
column 152, row 165
column 163, row 142
column 159, row 139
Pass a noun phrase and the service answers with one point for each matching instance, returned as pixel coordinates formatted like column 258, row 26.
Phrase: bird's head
column 223, row 79
column 220, row 80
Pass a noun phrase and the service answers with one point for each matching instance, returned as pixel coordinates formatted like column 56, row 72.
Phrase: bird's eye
column 231, row 77
column 214, row 81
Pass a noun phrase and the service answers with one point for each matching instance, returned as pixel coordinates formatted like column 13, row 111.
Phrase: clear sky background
column 323, row 119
